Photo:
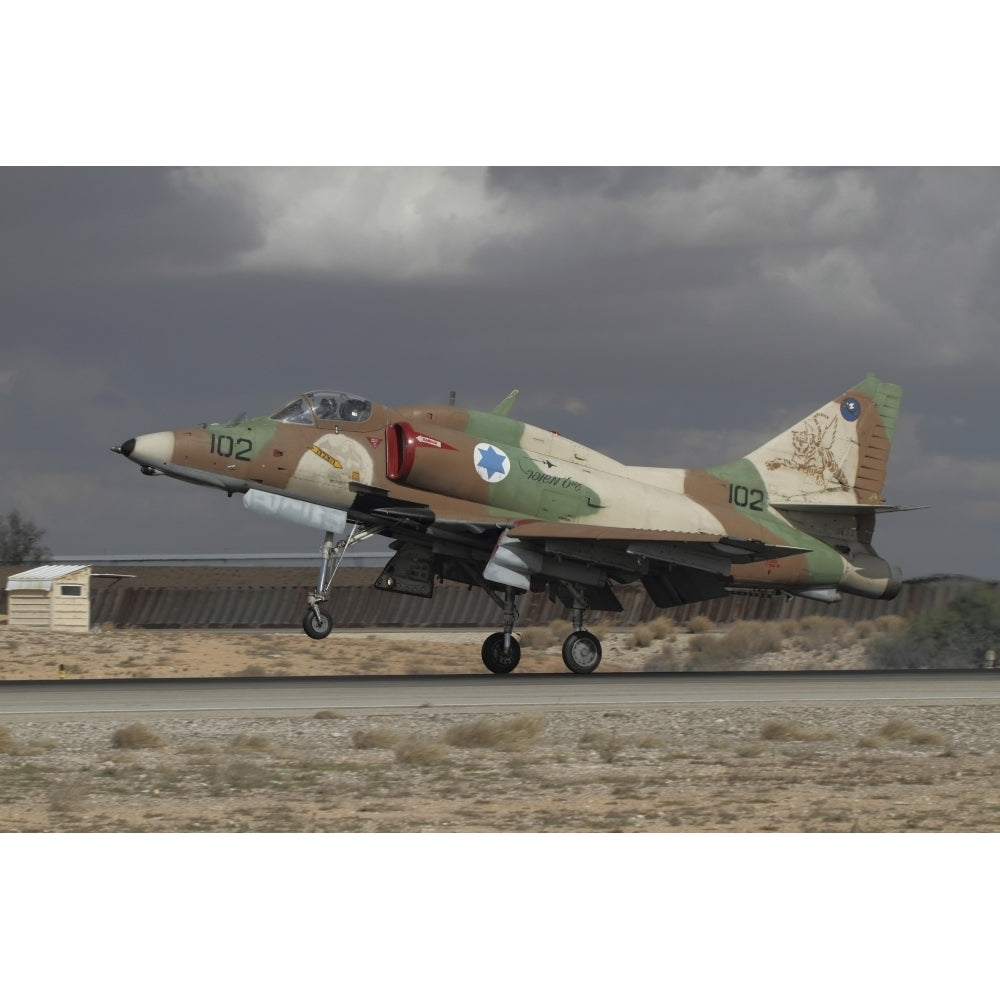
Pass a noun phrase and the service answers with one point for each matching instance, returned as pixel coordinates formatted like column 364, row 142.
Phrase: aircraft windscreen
column 327, row 406
column 295, row 412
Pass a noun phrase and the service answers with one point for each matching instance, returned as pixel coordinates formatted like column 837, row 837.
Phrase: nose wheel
column 317, row 624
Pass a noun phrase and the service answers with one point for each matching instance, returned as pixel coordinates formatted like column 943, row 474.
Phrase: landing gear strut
column 581, row 651
column 318, row 623
column 501, row 651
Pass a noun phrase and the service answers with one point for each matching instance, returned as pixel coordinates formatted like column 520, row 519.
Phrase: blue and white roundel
column 850, row 409
column 491, row 463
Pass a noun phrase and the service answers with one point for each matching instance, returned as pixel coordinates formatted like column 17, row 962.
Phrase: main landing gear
column 318, row 623
column 501, row 651
column 581, row 652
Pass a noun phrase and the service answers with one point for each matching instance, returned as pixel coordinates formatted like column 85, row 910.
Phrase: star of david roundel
column 491, row 463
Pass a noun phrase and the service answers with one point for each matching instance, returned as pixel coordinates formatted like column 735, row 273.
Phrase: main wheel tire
column 582, row 652
column 497, row 659
column 317, row 624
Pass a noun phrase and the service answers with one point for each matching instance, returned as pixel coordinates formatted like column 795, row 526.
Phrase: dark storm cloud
column 609, row 182
column 665, row 316
column 66, row 226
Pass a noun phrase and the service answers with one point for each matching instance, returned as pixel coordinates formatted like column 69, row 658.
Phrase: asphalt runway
column 485, row 692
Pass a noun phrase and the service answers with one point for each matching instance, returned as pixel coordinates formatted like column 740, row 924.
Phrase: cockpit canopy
column 326, row 406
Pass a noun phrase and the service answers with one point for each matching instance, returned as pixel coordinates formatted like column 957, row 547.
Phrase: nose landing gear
column 318, row 623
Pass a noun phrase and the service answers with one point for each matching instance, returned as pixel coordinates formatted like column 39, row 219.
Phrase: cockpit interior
column 324, row 406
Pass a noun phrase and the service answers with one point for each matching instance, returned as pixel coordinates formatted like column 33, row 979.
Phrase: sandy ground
column 139, row 653
column 868, row 767
column 31, row 655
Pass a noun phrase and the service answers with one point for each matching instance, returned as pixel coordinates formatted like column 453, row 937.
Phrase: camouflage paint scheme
column 488, row 500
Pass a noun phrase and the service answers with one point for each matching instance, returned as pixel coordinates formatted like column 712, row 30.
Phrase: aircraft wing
column 697, row 550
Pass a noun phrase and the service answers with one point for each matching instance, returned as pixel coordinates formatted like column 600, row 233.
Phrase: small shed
column 52, row 597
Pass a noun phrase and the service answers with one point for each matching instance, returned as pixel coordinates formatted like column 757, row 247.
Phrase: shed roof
column 41, row 577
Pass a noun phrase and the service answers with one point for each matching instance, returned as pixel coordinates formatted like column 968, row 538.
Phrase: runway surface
column 484, row 692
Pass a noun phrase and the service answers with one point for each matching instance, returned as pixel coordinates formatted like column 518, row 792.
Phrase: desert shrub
column 251, row 743
column 889, row 623
column 872, row 742
column 663, row 627
column 510, row 734
column 537, row 637
column 784, row 730
column 700, row 624
column 328, row 713
column 955, row 636
column 818, row 632
column 6, row 740
column 420, row 751
column 742, row 641
column 896, row 729
column 665, row 658
column 136, row 737
column 902, row 730
column 642, row 636
column 376, row 738
column 560, row 628
column 607, row 745
column 240, row 774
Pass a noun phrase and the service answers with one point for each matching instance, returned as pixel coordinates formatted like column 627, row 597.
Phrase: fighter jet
column 494, row 503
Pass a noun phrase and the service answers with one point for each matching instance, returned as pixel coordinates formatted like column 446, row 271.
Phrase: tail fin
column 837, row 455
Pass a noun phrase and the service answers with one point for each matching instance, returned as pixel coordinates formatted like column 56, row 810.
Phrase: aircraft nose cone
column 148, row 449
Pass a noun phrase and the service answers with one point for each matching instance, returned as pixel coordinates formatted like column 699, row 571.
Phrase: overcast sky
column 669, row 317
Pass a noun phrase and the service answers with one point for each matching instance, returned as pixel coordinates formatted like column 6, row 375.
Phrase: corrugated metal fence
column 456, row 606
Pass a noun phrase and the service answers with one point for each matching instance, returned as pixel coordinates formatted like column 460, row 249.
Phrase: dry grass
column 646, row 633
column 607, row 745
column 136, row 737
column 421, row 751
column 789, row 731
column 642, row 636
column 508, row 735
column 700, row 624
column 663, row 627
column 740, row 642
column 902, row 730
column 665, row 658
column 251, row 743
column 818, row 632
column 538, row 637
column 702, row 768
column 375, row 738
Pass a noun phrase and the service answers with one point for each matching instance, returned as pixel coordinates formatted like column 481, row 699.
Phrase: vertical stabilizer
column 837, row 455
